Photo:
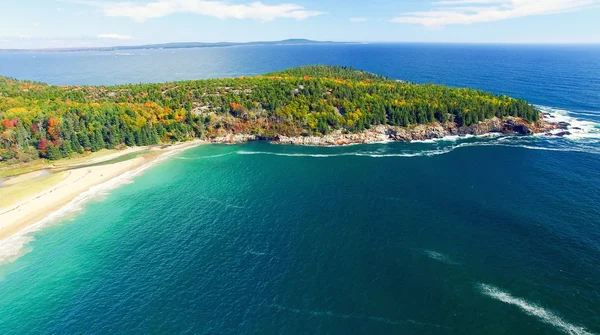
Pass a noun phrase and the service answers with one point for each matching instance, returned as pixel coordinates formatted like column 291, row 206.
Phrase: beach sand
column 18, row 217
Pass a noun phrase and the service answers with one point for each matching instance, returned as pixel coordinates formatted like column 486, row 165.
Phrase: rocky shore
column 386, row 133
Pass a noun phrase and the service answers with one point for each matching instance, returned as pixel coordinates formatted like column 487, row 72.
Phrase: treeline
column 39, row 120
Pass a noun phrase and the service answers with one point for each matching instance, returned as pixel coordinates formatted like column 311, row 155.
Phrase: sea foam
column 440, row 257
column 417, row 153
column 529, row 308
column 579, row 129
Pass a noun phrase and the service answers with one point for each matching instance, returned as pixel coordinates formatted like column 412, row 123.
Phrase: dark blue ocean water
column 493, row 235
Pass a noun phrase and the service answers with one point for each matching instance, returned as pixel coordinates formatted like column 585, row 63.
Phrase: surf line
column 357, row 317
column 531, row 309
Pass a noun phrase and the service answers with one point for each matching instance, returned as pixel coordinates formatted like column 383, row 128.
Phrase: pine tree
column 66, row 149
column 75, row 144
column 53, row 152
column 97, row 140
column 84, row 140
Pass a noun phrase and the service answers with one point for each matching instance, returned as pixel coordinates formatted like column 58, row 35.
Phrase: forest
column 38, row 120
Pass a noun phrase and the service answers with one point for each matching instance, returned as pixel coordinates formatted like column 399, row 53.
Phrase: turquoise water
column 492, row 235
column 262, row 238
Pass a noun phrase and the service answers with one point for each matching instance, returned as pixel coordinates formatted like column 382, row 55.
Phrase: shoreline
column 416, row 133
column 35, row 211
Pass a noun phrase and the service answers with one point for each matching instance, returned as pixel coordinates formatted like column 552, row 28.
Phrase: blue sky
column 77, row 23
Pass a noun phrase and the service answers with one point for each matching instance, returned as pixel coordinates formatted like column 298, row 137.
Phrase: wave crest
column 438, row 256
column 541, row 313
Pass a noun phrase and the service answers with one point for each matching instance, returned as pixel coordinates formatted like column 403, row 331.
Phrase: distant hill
column 179, row 45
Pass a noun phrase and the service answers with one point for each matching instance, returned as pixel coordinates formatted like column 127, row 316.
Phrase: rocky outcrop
column 385, row 133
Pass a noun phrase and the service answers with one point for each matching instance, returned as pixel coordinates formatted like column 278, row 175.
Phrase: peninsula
column 56, row 142
column 318, row 105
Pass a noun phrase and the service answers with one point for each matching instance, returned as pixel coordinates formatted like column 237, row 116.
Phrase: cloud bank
column 115, row 37
column 142, row 11
column 450, row 12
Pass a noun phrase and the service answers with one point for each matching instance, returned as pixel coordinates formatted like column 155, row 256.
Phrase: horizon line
column 301, row 41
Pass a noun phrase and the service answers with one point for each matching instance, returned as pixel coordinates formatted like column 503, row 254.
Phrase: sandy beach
column 76, row 179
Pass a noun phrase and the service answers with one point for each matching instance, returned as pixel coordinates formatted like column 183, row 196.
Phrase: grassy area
column 14, row 193
column 9, row 170
column 21, row 189
column 83, row 158
column 118, row 159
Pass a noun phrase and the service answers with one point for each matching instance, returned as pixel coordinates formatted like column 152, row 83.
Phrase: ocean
column 479, row 235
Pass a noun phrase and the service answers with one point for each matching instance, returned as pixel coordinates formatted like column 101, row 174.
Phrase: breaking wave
column 531, row 309
column 578, row 128
column 360, row 154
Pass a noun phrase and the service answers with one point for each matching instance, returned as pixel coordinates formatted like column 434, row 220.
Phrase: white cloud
column 115, row 37
column 141, row 12
column 449, row 12
column 35, row 24
column 358, row 19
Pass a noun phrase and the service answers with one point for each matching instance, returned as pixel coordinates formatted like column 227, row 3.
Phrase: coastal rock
column 493, row 125
column 233, row 138
column 514, row 125
column 385, row 133
column 373, row 135
column 563, row 133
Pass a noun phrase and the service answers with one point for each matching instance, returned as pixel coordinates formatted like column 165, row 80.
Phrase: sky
column 89, row 23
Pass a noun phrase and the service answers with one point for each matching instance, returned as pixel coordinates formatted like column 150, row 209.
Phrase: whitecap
column 532, row 309
column 440, row 257
column 449, row 138
column 579, row 129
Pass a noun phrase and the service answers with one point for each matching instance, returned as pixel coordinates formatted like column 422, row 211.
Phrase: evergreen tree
column 53, row 152
column 97, row 141
column 66, row 150
column 75, row 144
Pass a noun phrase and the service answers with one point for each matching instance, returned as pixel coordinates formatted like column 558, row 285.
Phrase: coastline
column 421, row 132
column 84, row 179
column 36, row 210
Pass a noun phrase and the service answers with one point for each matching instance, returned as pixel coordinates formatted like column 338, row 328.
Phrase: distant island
column 179, row 45
column 315, row 105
